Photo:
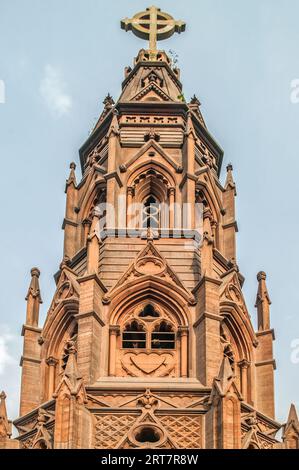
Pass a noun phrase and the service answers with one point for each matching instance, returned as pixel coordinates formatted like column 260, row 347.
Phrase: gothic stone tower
column 148, row 341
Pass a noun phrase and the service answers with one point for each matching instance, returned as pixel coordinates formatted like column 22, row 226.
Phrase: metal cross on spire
column 153, row 25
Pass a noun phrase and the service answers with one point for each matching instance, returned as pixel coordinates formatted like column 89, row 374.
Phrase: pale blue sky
column 58, row 60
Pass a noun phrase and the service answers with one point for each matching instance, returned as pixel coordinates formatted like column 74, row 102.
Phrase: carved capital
column 214, row 224
column 86, row 222
column 171, row 192
column 52, row 361
column 130, row 191
column 208, row 214
column 114, row 330
column 183, row 331
column 244, row 364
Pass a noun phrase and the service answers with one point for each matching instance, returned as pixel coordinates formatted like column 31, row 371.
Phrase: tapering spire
column 265, row 362
column 225, row 381
column 71, row 369
column 108, row 106
column 229, row 183
column 71, row 376
column 290, row 435
column 33, row 299
column 5, row 425
column 34, row 289
column 293, row 417
column 70, row 221
column 194, row 106
column 72, row 177
column 108, row 102
column 230, row 226
column 225, row 376
column 195, row 101
column 263, row 303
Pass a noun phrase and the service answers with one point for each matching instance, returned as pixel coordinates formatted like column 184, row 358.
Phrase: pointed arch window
column 134, row 336
column 163, row 336
column 149, row 196
column 151, row 213
column 150, row 332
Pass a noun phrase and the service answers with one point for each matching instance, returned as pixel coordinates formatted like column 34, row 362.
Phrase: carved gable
column 148, row 154
column 67, row 288
column 231, row 291
column 149, row 263
column 152, row 93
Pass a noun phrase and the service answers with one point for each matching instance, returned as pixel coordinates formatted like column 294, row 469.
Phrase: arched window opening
column 148, row 339
column 151, row 213
column 134, row 336
column 150, row 194
column 163, row 337
column 149, row 311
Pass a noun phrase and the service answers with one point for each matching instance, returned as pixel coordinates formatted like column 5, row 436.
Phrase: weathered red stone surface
column 148, row 341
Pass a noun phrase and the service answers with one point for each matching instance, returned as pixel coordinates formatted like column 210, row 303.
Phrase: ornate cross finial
column 153, row 25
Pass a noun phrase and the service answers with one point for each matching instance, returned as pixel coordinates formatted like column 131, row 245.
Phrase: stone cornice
column 29, row 359
column 94, row 277
column 187, row 176
column 151, row 108
column 205, row 279
column 34, row 329
column 221, row 259
column 90, row 314
column 231, row 224
column 110, row 384
column 184, row 234
column 249, row 408
column 211, row 316
column 68, row 222
column 266, row 332
column 99, row 169
column 27, row 417
column 266, row 363
column 114, row 175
